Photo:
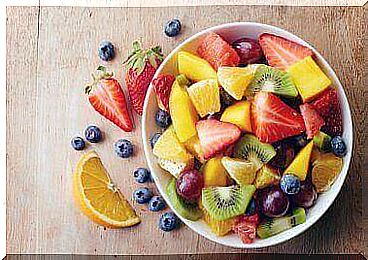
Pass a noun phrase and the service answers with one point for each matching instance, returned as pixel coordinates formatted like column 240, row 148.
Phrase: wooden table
column 51, row 52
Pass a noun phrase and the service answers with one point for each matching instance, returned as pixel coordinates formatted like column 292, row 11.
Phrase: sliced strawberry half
column 327, row 105
column 281, row 52
column 217, row 51
column 273, row 120
column 162, row 87
column 215, row 136
column 312, row 120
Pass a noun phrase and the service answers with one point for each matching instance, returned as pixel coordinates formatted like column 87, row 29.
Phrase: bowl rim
column 344, row 106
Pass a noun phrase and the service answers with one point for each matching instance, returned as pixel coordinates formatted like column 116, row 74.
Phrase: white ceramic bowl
column 231, row 32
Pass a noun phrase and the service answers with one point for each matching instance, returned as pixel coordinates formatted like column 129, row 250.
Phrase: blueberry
column 157, row 203
column 78, row 143
column 154, row 139
column 168, row 221
column 172, row 27
column 141, row 175
column 290, row 184
column 106, row 51
column 163, row 119
column 93, row 134
column 251, row 208
column 123, row 148
column 338, row 146
column 142, row 195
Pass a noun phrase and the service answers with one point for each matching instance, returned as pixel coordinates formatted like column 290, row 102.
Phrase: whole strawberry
column 141, row 65
column 107, row 98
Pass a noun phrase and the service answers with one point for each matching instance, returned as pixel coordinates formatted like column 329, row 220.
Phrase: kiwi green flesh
column 251, row 149
column 277, row 225
column 322, row 141
column 223, row 203
column 272, row 80
column 188, row 211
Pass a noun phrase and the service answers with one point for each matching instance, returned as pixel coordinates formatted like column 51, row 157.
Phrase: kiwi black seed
column 223, row 203
column 251, row 149
column 272, row 80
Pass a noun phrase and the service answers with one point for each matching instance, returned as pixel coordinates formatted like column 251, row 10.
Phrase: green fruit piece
column 188, row 211
column 322, row 141
column 270, row 79
column 182, row 80
column 251, row 149
column 243, row 172
column 224, row 203
column 277, row 225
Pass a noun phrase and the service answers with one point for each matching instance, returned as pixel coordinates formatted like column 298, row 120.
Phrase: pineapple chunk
column 238, row 114
column 195, row 68
column 266, row 176
column 308, row 78
column 205, row 96
column 214, row 173
column 219, row 227
column 174, row 167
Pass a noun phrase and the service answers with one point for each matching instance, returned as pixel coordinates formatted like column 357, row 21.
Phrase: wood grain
column 51, row 52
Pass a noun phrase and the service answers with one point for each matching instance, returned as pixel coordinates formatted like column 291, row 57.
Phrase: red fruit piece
column 107, row 98
column 215, row 136
column 141, row 67
column 281, row 52
column 162, row 87
column 251, row 219
column 217, row 51
column 273, row 120
column 312, row 120
column 327, row 105
column 246, row 231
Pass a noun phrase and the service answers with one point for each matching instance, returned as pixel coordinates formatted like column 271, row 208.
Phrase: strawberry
column 281, row 52
column 107, row 98
column 246, row 231
column 217, row 51
column 327, row 105
column 141, row 66
column 215, row 136
column 273, row 120
column 162, row 87
column 312, row 120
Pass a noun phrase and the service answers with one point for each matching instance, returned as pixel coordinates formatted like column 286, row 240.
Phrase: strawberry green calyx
column 102, row 73
column 137, row 60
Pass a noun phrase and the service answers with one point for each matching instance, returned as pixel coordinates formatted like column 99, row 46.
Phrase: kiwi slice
column 272, row 80
column 223, row 203
column 277, row 225
column 322, row 141
column 188, row 211
column 251, row 149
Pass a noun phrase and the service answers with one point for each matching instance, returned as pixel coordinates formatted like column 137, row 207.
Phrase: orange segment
column 98, row 197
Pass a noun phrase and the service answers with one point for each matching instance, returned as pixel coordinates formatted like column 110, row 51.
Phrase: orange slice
column 98, row 197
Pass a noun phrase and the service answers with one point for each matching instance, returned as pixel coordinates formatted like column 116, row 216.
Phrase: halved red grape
column 306, row 197
column 248, row 50
column 273, row 202
column 189, row 185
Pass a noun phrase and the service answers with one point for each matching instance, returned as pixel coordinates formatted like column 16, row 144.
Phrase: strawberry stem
column 102, row 73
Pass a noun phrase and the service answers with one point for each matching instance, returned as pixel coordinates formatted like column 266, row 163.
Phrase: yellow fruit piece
column 300, row 165
column 194, row 147
column 325, row 169
column 174, row 167
column 205, row 96
column 266, row 176
column 168, row 147
column 219, row 227
column 183, row 114
column 98, row 197
column 214, row 173
column 243, row 172
column 195, row 68
column 238, row 114
column 235, row 80
column 309, row 79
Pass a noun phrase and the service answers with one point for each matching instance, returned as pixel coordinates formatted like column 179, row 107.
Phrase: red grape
column 306, row 197
column 248, row 50
column 273, row 202
column 189, row 185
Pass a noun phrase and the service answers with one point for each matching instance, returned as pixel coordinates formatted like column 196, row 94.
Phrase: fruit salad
column 251, row 134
